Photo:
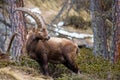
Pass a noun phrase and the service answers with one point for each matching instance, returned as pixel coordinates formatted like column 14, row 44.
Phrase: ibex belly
column 55, row 56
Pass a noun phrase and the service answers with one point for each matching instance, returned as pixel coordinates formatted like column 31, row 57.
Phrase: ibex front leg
column 43, row 62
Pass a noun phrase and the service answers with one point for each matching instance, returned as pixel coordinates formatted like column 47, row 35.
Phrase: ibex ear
column 33, row 29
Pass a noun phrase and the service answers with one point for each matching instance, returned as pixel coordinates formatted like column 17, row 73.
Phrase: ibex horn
column 32, row 14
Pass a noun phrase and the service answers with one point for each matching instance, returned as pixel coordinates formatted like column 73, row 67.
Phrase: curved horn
column 32, row 14
column 10, row 43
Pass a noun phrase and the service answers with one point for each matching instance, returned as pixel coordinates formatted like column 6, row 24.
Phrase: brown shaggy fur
column 54, row 50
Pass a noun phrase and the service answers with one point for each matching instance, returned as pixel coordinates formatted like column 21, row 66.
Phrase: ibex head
column 40, row 32
column 43, row 34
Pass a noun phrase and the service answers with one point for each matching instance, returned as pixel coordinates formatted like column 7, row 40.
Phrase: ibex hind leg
column 70, row 64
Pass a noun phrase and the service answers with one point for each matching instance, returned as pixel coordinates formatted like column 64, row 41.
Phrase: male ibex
column 53, row 50
column 44, row 49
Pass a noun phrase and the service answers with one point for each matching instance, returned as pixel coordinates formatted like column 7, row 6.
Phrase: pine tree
column 17, row 23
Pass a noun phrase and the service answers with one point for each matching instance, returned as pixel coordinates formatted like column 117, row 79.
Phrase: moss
column 26, row 61
column 5, row 63
column 96, row 66
column 91, row 67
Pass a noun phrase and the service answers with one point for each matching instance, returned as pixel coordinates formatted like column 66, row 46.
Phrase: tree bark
column 17, row 26
column 98, row 26
column 115, row 49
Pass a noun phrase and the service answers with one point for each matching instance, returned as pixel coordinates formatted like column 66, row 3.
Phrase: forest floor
column 22, row 73
column 16, row 73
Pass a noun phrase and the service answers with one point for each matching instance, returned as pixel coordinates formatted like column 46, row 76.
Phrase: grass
column 45, row 4
column 92, row 68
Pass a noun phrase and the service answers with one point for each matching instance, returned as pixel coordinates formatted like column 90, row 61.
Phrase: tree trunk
column 115, row 49
column 17, row 26
column 98, row 26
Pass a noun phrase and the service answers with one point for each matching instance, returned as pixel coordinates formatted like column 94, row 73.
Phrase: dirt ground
column 15, row 73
